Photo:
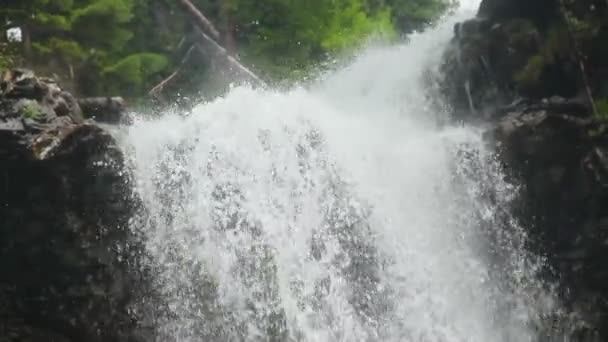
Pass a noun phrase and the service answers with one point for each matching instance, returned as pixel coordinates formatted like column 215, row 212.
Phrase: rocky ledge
column 64, row 209
column 532, row 72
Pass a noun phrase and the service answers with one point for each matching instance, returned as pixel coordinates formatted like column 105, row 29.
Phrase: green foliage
column 53, row 21
column 132, row 71
column 127, row 46
column 69, row 50
column 533, row 70
column 346, row 31
column 118, row 11
column 410, row 15
column 557, row 46
column 4, row 62
column 6, row 57
column 32, row 111
column 86, row 36
column 602, row 108
column 572, row 45
column 102, row 23
column 291, row 36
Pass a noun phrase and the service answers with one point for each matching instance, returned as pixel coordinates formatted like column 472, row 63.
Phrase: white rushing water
column 339, row 212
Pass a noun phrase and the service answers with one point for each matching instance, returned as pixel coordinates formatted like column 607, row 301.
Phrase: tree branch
column 159, row 87
column 210, row 39
column 199, row 18
column 221, row 51
column 579, row 58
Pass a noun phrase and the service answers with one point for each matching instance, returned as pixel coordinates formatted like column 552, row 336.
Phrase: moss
column 556, row 46
column 601, row 105
column 602, row 108
column 32, row 111
column 531, row 73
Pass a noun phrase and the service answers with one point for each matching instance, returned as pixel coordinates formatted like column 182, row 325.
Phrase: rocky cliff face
column 519, row 49
column 531, row 70
column 65, row 251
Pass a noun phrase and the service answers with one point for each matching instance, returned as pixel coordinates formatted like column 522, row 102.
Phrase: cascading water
column 339, row 212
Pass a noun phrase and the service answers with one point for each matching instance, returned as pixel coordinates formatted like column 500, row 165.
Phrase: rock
column 104, row 109
column 66, row 253
column 523, row 50
column 539, row 11
column 513, row 68
column 556, row 153
column 481, row 65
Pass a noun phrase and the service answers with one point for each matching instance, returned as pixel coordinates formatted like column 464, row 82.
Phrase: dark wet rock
column 482, row 63
column 559, row 153
column 540, row 11
column 529, row 50
column 65, row 250
column 104, row 109
column 516, row 68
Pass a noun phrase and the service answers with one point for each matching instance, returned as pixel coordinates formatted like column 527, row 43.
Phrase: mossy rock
column 33, row 110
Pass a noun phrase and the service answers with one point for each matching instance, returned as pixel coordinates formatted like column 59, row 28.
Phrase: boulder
column 66, row 253
column 104, row 109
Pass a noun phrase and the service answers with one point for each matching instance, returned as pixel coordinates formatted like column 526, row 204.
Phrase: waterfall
column 339, row 211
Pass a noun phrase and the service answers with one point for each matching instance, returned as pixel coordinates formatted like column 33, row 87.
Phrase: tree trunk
column 26, row 37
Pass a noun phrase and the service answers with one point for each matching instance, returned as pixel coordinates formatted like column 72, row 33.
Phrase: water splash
column 339, row 212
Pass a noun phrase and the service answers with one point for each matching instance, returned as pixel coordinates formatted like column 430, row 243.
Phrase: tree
column 286, row 37
column 127, row 46
column 107, row 54
column 410, row 15
column 78, row 38
column 33, row 15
